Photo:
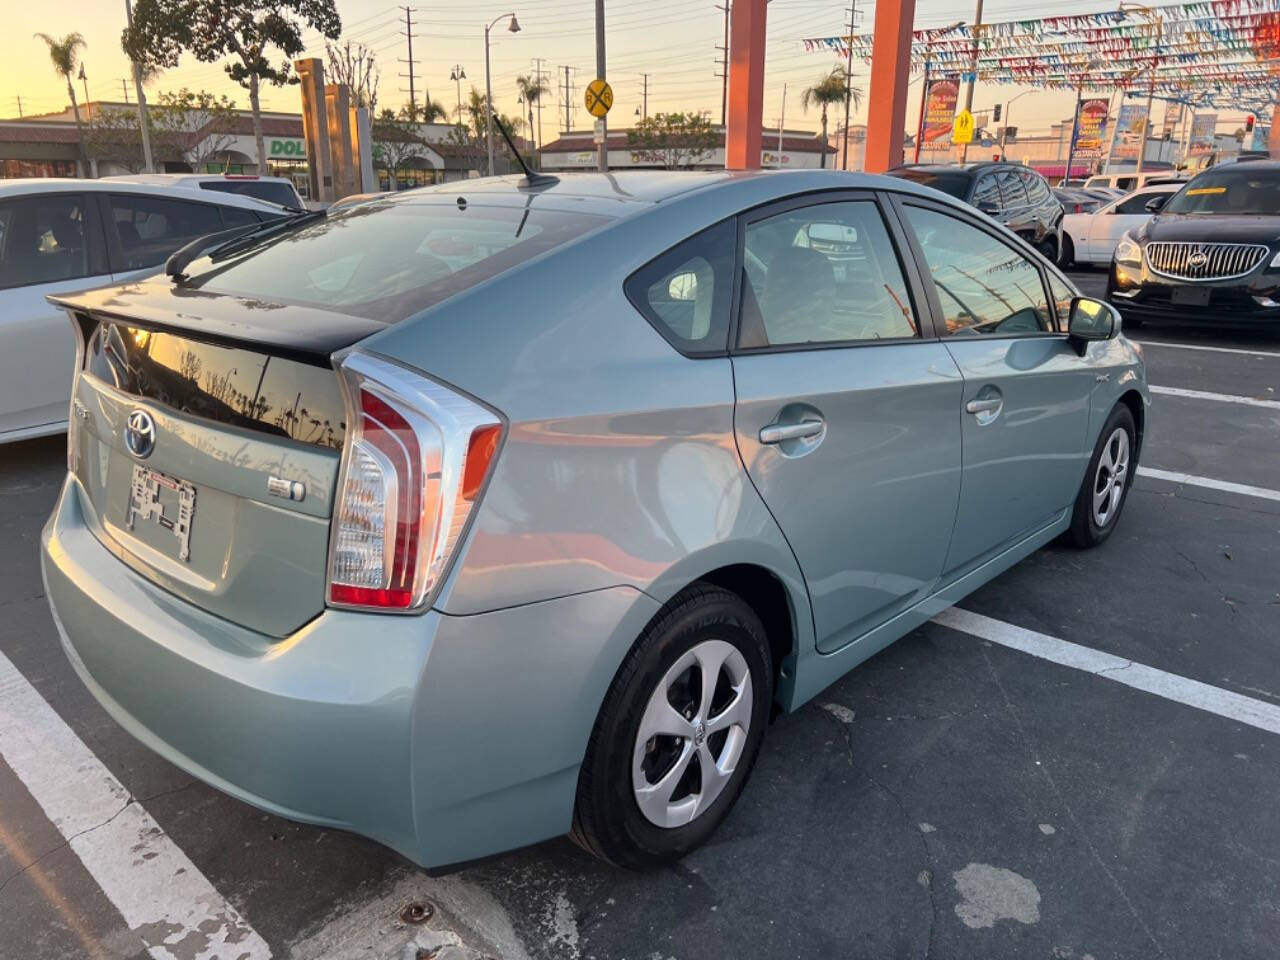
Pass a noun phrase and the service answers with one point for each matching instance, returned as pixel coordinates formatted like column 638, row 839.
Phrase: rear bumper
column 445, row 738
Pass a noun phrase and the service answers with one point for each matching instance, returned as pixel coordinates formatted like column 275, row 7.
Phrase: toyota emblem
column 140, row 434
column 1198, row 259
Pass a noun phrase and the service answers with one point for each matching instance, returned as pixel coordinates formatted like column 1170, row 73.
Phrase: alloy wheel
column 692, row 734
column 1113, row 473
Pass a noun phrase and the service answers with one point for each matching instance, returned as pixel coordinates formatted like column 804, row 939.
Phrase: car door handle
column 985, row 405
column 778, row 432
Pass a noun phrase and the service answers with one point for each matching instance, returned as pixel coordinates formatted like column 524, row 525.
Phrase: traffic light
column 1248, row 123
column 995, row 113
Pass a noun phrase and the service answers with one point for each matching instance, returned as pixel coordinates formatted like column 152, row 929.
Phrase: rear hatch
column 208, row 440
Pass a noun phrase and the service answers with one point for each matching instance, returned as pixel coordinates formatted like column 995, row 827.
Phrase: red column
column 746, row 85
column 890, row 71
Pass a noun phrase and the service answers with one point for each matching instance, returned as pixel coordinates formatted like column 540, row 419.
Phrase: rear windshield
column 272, row 191
column 387, row 260
column 1240, row 192
column 953, row 182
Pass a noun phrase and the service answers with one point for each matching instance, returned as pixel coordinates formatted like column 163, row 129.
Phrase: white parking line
column 163, row 898
column 1209, row 482
column 1170, row 686
column 1218, row 397
column 1193, row 346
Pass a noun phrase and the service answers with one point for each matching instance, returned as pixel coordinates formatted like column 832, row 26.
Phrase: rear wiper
column 226, row 242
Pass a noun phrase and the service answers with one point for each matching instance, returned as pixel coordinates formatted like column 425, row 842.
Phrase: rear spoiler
column 288, row 330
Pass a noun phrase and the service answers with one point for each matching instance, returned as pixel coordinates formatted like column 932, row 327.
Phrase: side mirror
column 1156, row 204
column 1089, row 320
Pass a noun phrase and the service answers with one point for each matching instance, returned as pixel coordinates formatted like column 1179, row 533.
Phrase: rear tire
column 1106, row 483
column 664, row 766
column 1048, row 249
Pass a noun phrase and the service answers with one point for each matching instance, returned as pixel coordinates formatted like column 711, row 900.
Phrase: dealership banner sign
column 1202, row 127
column 1128, row 133
column 1090, row 131
column 939, row 113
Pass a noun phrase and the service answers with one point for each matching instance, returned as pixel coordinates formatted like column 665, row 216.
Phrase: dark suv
column 1010, row 194
column 1211, row 255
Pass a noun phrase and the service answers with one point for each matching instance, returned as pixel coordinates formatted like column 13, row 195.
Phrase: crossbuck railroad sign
column 599, row 97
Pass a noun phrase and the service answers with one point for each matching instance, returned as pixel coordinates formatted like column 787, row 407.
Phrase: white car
column 1092, row 237
column 279, row 190
column 63, row 236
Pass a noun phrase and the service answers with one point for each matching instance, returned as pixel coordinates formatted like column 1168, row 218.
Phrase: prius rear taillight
column 417, row 456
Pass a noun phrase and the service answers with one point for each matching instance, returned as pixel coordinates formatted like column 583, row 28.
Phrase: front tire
column 1068, row 251
column 678, row 733
column 1048, row 248
column 1106, row 483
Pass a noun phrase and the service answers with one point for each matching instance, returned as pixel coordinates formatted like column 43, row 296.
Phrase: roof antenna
column 531, row 179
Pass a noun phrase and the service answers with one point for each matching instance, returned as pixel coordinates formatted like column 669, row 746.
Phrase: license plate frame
column 144, row 502
column 1190, row 296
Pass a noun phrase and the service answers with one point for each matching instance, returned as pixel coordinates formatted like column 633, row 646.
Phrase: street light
column 514, row 27
column 1004, row 134
column 457, row 75
column 1148, row 12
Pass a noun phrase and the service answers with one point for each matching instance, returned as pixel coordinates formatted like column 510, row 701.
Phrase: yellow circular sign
column 962, row 132
column 599, row 97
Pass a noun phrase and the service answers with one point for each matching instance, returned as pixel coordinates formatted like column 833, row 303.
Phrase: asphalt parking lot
column 954, row 797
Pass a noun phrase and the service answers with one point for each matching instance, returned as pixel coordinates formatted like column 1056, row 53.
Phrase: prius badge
column 140, row 434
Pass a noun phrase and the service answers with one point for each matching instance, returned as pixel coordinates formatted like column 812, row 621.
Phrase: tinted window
column 1137, row 203
column 270, row 190
column 1127, row 183
column 238, row 217
column 42, row 239
column 983, row 285
column 151, row 228
column 986, row 193
column 954, row 182
column 1098, row 182
column 1013, row 191
column 1063, row 294
column 1037, row 189
column 822, row 274
column 388, row 259
column 686, row 292
column 244, row 388
column 1241, row 192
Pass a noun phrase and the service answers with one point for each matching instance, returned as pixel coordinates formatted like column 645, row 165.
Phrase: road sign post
column 598, row 98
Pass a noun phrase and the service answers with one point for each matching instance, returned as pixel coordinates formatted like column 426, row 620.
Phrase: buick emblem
column 1198, row 259
column 140, row 434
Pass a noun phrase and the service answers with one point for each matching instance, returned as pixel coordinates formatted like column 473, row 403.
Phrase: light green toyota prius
column 499, row 510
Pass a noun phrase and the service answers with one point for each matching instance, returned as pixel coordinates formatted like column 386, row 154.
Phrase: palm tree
column 65, row 54
column 830, row 89
column 532, row 90
column 428, row 111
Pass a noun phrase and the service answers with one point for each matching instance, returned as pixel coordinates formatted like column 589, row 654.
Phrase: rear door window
column 1013, row 192
column 823, row 274
column 43, row 240
column 152, row 227
column 686, row 292
column 986, row 194
column 273, row 191
column 984, row 286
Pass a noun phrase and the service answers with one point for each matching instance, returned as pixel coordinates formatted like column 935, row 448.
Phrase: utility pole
column 124, row 88
column 568, row 102
column 645, row 97
column 147, row 166
column 1075, row 126
column 19, row 107
column 538, row 74
column 602, row 151
column 848, row 86
column 457, row 75
column 782, row 117
column 973, row 74
column 724, row 65
column 408, row 32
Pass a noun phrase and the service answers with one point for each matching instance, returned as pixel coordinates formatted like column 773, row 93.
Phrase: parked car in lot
column 1010, row 194
column 277, row 190
column 1131, row 181
column 1076, row 201
column 62, row 235
column 1210, row 256
column 472, row 516
column 1091, row 237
